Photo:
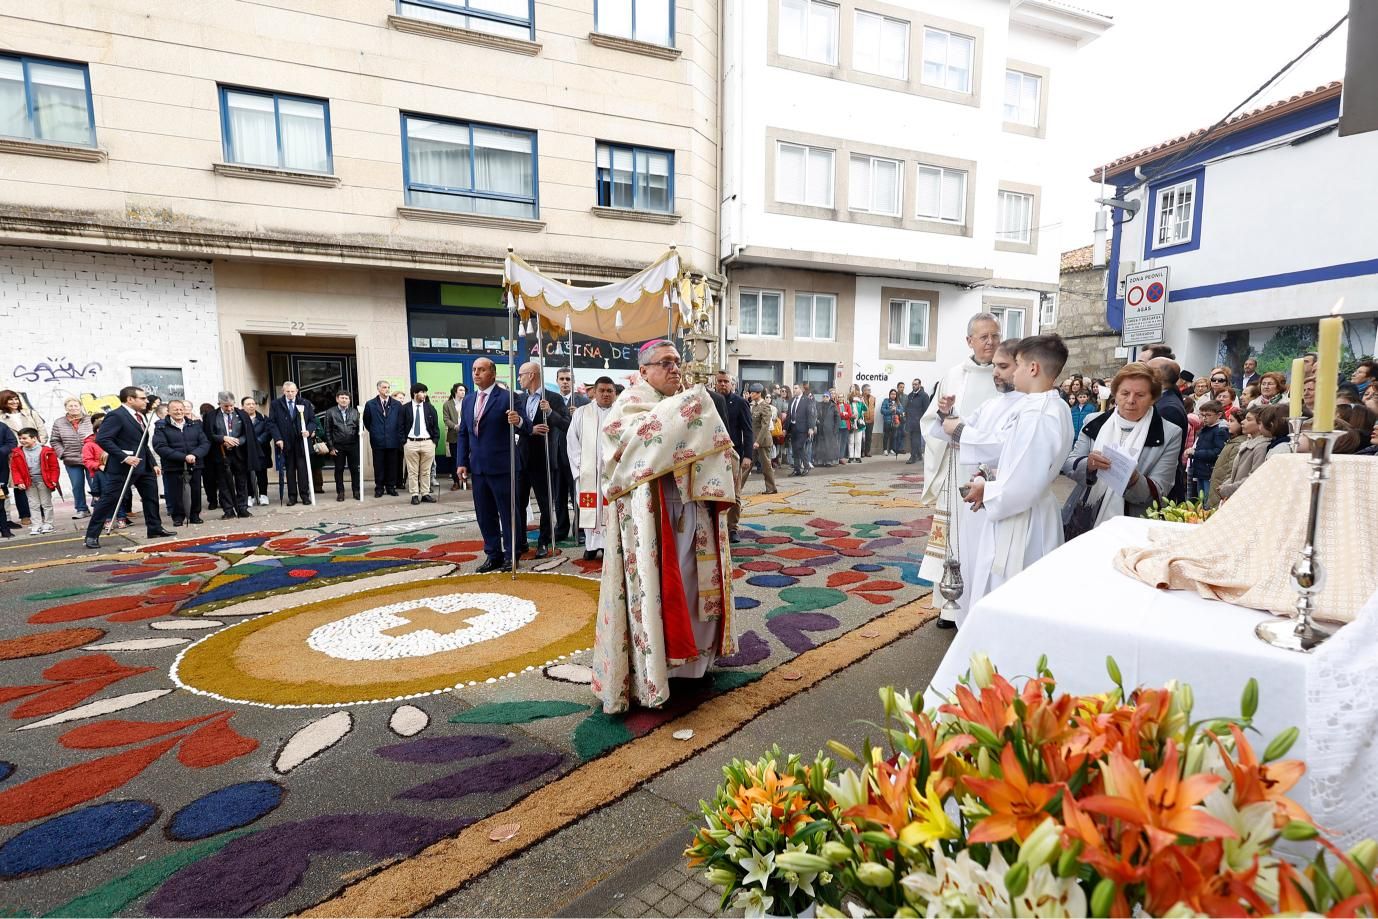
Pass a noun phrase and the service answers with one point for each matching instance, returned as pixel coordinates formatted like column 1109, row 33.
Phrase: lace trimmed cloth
column 1244, row 553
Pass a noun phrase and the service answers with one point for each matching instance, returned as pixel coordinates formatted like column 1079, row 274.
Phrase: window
column 644, row 20
column 875, row 185
column 1021, row 97
column 768, row 373
column 804, row 175
column 1175, row 210
column 636, row 178
column 283, row 132
column 469, row 168
column 1014, row 217
column 1011, row 319
column 814, row 316
column 947, row 60
column 46, row 100
column 1047, row 311
column 808, row 29
column 909, row 324
column 880, row 45
column 942, row 194
column 511, row 18
column 760, row 312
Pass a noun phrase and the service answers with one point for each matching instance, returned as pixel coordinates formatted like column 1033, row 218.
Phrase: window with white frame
column 1014, row 217
column 1011, row 319
column 942, row 194
column 947, row 59
column 808, row 30
column 511, row 18
column 804, row 175
column 909, row 324
column 1021, row 97
column 815, row 316
column 643, row 20
column 759, row 311
column 880, row 45
column 1047, row 311
column 1175, row 207
column 874, row 185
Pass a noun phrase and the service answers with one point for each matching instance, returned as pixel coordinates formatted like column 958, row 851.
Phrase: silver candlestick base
column 1294, row 431
column 1308, row 576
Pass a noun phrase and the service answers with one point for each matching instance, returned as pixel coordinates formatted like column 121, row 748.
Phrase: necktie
column 416, row 429
column 228, row 430
column 383, row 402
column 139, row 415
column 478, row 412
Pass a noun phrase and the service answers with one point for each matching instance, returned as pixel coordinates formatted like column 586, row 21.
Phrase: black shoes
column 197, row 520
column 392, row 492
column 416, row 499
column 228, row 515
column 91, row 542
column 378, row 493
column 543, row 552
column 244, row 512
column 590, row 555
column 291, row 502
column 177, row 522
column 429, row 499
column 159, row 534
column 946, row 623
column 339, row 497
column 492, row 563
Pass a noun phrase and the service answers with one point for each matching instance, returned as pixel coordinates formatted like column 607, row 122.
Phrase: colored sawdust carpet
column 245, row 724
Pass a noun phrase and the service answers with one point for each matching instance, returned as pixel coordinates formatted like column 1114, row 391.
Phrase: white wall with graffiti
column 86, row 324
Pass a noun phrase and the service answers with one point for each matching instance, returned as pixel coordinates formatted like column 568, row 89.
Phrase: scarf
column 1112, row 503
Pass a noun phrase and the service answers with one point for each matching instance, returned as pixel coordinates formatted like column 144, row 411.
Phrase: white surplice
column 1023, row 521
column 983, row 433
column 582, row 442
column 973, row 384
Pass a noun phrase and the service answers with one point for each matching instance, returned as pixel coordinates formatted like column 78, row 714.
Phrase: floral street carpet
column 241, row 724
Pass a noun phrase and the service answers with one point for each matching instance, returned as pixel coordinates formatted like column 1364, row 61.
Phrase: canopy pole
column 511, row 430
column 548, row 512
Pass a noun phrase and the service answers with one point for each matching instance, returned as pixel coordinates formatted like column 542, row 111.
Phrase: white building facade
column 885, row 171
column 1264, row 230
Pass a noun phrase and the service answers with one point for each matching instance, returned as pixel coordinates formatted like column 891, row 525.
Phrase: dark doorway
column 318, row 376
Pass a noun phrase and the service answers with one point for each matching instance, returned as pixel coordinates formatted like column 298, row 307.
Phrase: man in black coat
column 382, row 421
column 235, row 451
column 288, row 414
column 420, row 427
column 738, row 419
column 539, row 413
column 1171, row 406
column 341, row 426
column 180, row 442
column 913, row 420
column 801, row 420
column 124, row 436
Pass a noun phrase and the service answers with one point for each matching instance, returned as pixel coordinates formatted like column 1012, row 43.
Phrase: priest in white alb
column 584, row 443
column 665, row 604
column 1023, row 520
column 979, row 437
column 970, row 383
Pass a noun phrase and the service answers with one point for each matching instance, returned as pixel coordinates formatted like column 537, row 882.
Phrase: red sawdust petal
column 120, row 733
column 10, row 693
column 799, row 553
column 396, row 552
column 877, row 586
column 761, row 565
column 877, row 599
column 214, row 744
column 141, row 613
column 838, row 578
column 799, row 572
column 84, row 609
column 848, row 543
column 65, row 695
column 80, row 668
column 832, row 534
column 57, row 791
column 41, row 643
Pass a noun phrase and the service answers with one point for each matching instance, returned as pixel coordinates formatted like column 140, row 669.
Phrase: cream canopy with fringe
column 636, row 309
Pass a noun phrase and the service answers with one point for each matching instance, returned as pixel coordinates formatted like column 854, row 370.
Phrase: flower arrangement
column 1016, row 800
column 1179, row 511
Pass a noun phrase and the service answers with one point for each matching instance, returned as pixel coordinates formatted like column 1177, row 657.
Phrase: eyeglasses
column 667, row 365
column 1219, row 380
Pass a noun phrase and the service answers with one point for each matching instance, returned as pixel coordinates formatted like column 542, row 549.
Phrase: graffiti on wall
column 55, row 370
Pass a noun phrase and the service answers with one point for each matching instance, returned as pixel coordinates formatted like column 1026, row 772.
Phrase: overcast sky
column 1168, row 67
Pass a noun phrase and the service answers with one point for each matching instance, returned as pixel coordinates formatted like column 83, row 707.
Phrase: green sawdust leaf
column 599, row 733
column 109, row 898
column 61, row 593
column 415, row 537
column 726, row 680
column 517, row 712
column 807, row 600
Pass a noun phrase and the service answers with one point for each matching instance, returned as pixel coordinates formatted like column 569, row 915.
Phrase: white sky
column 1168, row 67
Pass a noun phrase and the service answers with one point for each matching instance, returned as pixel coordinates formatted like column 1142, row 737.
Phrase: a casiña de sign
column 1145, row 307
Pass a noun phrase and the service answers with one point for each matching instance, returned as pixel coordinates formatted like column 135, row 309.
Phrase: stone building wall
column 1081, row 322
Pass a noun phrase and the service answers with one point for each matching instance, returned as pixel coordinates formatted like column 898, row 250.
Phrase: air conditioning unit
column 731, row 333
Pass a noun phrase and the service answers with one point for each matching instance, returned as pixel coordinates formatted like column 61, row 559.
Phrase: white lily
column 1253, row 823
column 1050, row 896
column 759, row 868
column 848, row 791
column 754, row 901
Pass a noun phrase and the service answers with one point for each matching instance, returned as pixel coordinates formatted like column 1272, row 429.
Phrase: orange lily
column 1192, row 875
column 1165, row 806
column 1016, row 804
column 1255, row 781
column 1120, row 867
column 785, row 806
column 889, row 804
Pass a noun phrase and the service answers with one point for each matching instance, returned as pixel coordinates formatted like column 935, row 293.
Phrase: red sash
column 679, row 634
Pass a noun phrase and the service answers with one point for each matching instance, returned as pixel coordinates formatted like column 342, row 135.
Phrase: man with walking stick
column 233, row 443
column 294, row 421
column 124, row 435
column 483, row 453
column 540, row 412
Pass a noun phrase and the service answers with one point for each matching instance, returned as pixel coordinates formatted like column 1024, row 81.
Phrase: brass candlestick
column 1308, row 575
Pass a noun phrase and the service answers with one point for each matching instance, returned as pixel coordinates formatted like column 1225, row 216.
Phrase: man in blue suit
column 382, row 420
column 286, row 416
column 123, row 436
column 483, row 454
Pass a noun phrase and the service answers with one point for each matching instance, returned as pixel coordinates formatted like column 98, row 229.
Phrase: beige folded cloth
column 1244, row 553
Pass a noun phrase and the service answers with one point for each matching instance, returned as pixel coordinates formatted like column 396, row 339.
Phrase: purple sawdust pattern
column 252, row 872
column 485, row 778
column 751, row 649
column 444, row 749
column 790, row 628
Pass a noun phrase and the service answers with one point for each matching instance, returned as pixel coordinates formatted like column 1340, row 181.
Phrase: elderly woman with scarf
column 1133, row 426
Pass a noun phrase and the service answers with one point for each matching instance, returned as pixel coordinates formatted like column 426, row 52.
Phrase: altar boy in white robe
column 585, row 446
column 980, row 436
column 1022, row 520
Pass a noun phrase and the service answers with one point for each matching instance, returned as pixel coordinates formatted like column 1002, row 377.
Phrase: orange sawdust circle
column 267, row 660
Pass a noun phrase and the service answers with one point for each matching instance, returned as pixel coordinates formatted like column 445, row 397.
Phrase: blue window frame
column 43, row 99
column 636, row 178
column 510, row 18
column 1174, row 214
column 469, row 167
column 651, row 21
column 275, row 130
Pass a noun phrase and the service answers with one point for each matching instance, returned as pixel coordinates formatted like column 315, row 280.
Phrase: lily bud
column 1067, row 861
column 802, row 862
column 1113, row 669
column 843, row 751
column 982, row 671
column 1248, row 703
column 836, row 852
column 1103, row 897
column 1017, row 879
column 1280, row 745
column 906, row 912
column 1038, row 849
column 1299, row 831
column 1365, row 855
column 721, row 877
column 874, row 874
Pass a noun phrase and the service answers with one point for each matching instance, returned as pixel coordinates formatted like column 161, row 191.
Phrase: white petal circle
column 408, row 720
column 312, row 740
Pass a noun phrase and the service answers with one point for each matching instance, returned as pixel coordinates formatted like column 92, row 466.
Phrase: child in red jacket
column 34, row 468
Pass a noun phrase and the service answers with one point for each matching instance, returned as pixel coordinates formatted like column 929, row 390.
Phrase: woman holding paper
column 1127, row 456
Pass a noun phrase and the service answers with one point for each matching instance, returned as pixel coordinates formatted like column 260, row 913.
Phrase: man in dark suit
column 738, row 419
column 1172, row 407
column 289, row 413
column 1250, row 375
column 180, row 442
column 235, row 451
column 566, row 496
column 914, row 408
column 382, row 421
column 800, row 421
column 483, row 453
column 421, row 426
column 341, row 426
column 124, row 436
column 540, row 414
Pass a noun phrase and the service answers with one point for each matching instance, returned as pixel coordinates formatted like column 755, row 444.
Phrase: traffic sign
column 1145, row 307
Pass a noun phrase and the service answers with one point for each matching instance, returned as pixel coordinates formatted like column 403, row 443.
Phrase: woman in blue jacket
column 892, row 418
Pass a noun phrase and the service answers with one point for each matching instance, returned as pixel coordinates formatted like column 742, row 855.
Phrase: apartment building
column 197, row 196
column 886, row 169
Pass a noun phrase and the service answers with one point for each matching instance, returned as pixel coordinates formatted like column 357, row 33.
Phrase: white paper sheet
column 1121, row 470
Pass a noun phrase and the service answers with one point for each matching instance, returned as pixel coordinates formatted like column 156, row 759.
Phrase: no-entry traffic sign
column 1145, row 307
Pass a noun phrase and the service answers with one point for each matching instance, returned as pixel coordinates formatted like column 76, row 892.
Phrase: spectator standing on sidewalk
column 68, row 435
column 93, row 458
column 342, row 424
column 8, row 444
column 870, row 419
column 913, row 420
column 263, row 436
column 17, row 418
column 762, row 424
column 180, row 442
column 34, row 469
